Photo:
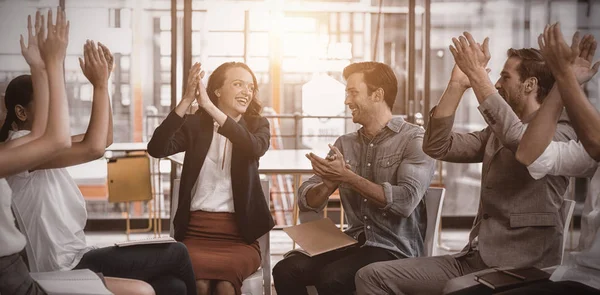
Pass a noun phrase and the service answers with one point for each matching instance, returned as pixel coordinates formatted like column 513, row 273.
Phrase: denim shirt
column 394, row 159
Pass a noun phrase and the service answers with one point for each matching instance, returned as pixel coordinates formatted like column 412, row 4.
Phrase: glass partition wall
column 296, row 49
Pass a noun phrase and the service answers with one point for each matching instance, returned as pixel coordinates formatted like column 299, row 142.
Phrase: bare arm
column 110, row 63
column 565, row 62
column 584, row 116
column 39, row 79
column 56, row 137
column 93, row 144
column 541, row 129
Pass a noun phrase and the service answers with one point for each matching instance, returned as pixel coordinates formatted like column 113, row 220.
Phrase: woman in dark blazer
column 222, row 209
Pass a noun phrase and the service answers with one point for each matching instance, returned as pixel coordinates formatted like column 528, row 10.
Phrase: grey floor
column 451, row 241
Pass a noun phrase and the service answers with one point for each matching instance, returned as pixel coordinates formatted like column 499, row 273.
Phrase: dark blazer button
column 486, row 216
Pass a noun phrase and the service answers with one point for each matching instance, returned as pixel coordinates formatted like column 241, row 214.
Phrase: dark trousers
column 552, row 288
column 15, row 279
column 166, row 267
column 331, row 273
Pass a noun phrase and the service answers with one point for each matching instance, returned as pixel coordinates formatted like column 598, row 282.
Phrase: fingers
column 336, row 151
column 575, row 42
column 463, row 43
column 453, row 51
column 591, row 48
column 558, row 34
column 457, row 46
column 29, row 27
column 66, row 31
column 471, row 40
column 94, row 51
column 81, row 64
column 42, row 32
column 23, row 47
column 541, row 42
column 314, row 158
column 193, row 73
column 595, row 67
column 546, row 36
column 319, row 170
column 107, row 54
column 101, row 56
column 86, row 53
column 486, row 47
column 38, row 22
column 49, row 20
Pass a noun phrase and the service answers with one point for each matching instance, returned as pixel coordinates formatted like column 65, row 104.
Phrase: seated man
column 581, row 272
column 382, row 174
column 518, row 221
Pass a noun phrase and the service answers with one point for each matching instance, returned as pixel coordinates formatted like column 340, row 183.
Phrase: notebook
column 319, row 236
column 73, row 282
column 504, row 279
column 162, row 240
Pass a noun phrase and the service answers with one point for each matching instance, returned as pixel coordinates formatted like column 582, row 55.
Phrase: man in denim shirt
column 382, row 175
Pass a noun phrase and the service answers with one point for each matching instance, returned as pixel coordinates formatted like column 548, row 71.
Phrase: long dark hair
column 18, row 92
column 217, row 79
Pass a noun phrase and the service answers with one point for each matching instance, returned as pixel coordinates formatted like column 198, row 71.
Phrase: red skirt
column 218, row 251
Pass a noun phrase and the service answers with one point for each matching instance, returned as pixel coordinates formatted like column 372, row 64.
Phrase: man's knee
column 367, row 274
column 332, row 281
column 283, row 270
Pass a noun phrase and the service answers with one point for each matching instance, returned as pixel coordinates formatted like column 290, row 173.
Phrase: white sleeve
column 563, row 158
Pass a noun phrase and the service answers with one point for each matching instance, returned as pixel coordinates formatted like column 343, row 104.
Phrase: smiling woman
column 222, row 210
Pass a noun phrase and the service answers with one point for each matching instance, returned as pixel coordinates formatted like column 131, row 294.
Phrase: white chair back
column 434, row 201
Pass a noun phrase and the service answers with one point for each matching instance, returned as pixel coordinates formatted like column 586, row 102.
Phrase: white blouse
column 212, row 191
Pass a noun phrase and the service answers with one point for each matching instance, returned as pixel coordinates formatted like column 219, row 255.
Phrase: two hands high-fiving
column 333, row 169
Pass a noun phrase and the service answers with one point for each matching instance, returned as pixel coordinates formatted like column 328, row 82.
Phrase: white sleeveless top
column 53, row 210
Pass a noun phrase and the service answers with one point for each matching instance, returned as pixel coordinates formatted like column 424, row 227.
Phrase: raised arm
column 169, row 137
column 501, row 119
column 39, row 79
column 93, row 144
column 542, row 128
column 440, row 142
column 110, row 60
column 56, row 137
column 584, row 116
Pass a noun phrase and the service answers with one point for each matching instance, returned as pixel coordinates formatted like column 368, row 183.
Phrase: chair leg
column 128, row 225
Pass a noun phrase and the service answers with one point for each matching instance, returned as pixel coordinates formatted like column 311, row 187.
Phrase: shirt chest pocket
column 387, row 167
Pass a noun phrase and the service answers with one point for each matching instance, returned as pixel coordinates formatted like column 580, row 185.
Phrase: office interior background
column 297, row 49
